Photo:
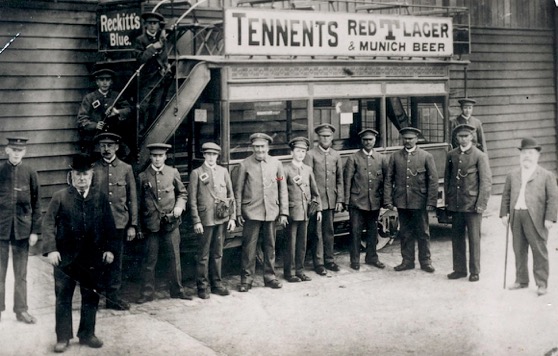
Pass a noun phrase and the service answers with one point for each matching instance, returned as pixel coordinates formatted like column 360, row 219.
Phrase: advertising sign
column 296, row 33
column 118, row 26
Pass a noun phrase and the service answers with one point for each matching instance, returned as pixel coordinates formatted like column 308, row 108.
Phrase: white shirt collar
column 158, row 169
column 208, row 166
column 323, row 149
column 103, row 94
column 368, row 153
column 110, row 161
column 296, row 164
column 467, row 147
column 411, row 150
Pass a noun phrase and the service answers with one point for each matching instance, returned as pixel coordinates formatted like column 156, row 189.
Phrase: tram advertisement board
column 118, row 25
column 295, row 33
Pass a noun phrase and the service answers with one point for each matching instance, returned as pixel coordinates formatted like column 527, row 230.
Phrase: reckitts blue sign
column 118, row 25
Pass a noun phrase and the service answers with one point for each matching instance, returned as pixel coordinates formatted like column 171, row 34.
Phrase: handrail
column 164, row 2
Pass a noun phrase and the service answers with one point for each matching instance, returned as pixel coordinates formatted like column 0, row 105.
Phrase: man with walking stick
column 530, row 201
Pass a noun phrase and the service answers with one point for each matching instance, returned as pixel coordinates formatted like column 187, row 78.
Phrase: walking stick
column 506, row 254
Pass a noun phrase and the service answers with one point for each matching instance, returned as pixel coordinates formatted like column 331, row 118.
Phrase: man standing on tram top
column 327, row 165
column 466, row 117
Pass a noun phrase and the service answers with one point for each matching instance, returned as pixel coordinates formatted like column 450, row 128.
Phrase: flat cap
column 152, row 15
column 108, row 136
column 211, row 147
column 368, row 132
column 324, row 127
column 464, row 127
column 409, row 129
column 299, row 142
column 260, row 136
column 20, row 142
column 530, row 142
column 158, row 147
column 467, row 101
column 104, row 72
column 81, row 162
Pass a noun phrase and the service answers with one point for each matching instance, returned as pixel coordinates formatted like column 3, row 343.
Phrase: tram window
column 282, row 120
column 425, row 113
column 349, row 116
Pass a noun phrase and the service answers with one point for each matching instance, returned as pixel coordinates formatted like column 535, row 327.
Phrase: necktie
column 82, row 193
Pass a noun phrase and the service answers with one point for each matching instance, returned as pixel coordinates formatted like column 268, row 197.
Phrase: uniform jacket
column 260, row 189
column 92, row 110
column 412, row 180
column 207, row 185
column 328, row 171
column 541, row 197
column 81, row 229
column 301, row 193
column 165, row 186
column 19, row 201
column 117, row 180
column 478, row 136
column 364, row 180
column 468, row 180
column 155, row 60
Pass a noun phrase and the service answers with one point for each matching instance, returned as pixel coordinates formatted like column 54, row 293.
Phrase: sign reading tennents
column 273, row 32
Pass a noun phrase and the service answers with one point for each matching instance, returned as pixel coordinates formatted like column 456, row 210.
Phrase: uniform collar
column 411, row 151
column 113, row 162
column 323, row 149
column 467, row 149
column 104, row 94
column 369, row 154
column 157, row 170
column 297, row 164
column 209, row 167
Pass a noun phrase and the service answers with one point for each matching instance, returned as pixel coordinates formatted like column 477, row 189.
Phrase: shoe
column 404, row 266
column 377, row 264
column 541, row 291
column 61, row 346
column 473, row 278
column 144, row 299
column 428, row 268
column 274, row 284
column 181, row 295
column 220, row 291
column 292, row 279
column 93, row 342
column 355, row 266
column 321, row 270
column 244, row 287
column 117, row 304
column 304, row 278
column 516, row 286
column 202, row 293
column 26, row 318
column 457, row 275
column 332, row 266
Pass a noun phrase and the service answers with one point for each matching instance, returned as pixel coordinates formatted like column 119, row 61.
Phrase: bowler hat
column 104, row 72
column 299, row 142
column 530, row 142
column 152, row 15
column 108, row 136
column 464, row 127
column 409, row 129
column 81, row 162
column 260, row 136
column 211, row 147
column 368, row 132
column 324, row 127
column 158, row 147
column 463, row 101
column 19, row 142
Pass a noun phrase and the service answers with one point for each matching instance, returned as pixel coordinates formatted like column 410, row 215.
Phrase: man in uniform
column 211, row 184
column 79, row 238
column 261, row 198
column 364, row 187
column 163, row 198
column 20, row 212
column 530, row 201
column 327, row 165
column 151, row 52
column 116, row 179
column 466, row 117
column 412, row 187
column 98, row 111
column 467, row 182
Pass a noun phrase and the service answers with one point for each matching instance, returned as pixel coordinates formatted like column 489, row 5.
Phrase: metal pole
column 506, row 254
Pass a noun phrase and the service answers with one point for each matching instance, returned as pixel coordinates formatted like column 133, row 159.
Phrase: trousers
column 466, row 224
column 321, row 238
column 295, row 252
column 360, row 220
column 250, row 240
column 20, row 253
column 413, row 225
column 210, row 255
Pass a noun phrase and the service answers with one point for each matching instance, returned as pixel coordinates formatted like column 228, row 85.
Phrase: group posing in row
column 86, row 224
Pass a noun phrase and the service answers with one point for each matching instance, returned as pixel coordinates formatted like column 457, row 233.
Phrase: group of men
column 86, row 224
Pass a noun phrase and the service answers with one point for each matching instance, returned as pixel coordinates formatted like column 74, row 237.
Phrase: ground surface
column 346, row 313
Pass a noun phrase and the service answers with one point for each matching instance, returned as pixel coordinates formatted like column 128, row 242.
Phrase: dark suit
column 364, row 188
column 207, row 185
column 328, row 171
column 160, row 192
column 80, row 229
column 20, row 212
column 412, row 185
column 541, row 198
column 468, row 181
column 479, row 139
column 261, row 196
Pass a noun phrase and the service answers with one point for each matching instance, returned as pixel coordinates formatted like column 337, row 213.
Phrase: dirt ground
column 367, row 312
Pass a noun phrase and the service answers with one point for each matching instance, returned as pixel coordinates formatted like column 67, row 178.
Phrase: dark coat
column 328, row 171
column 364, row 180
column 155, row 61
column 468, row 180
column 541, row 197
column 412, row 180
column 19, row 201
column 301, row 193
column 479, row 140
column 80, row 229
